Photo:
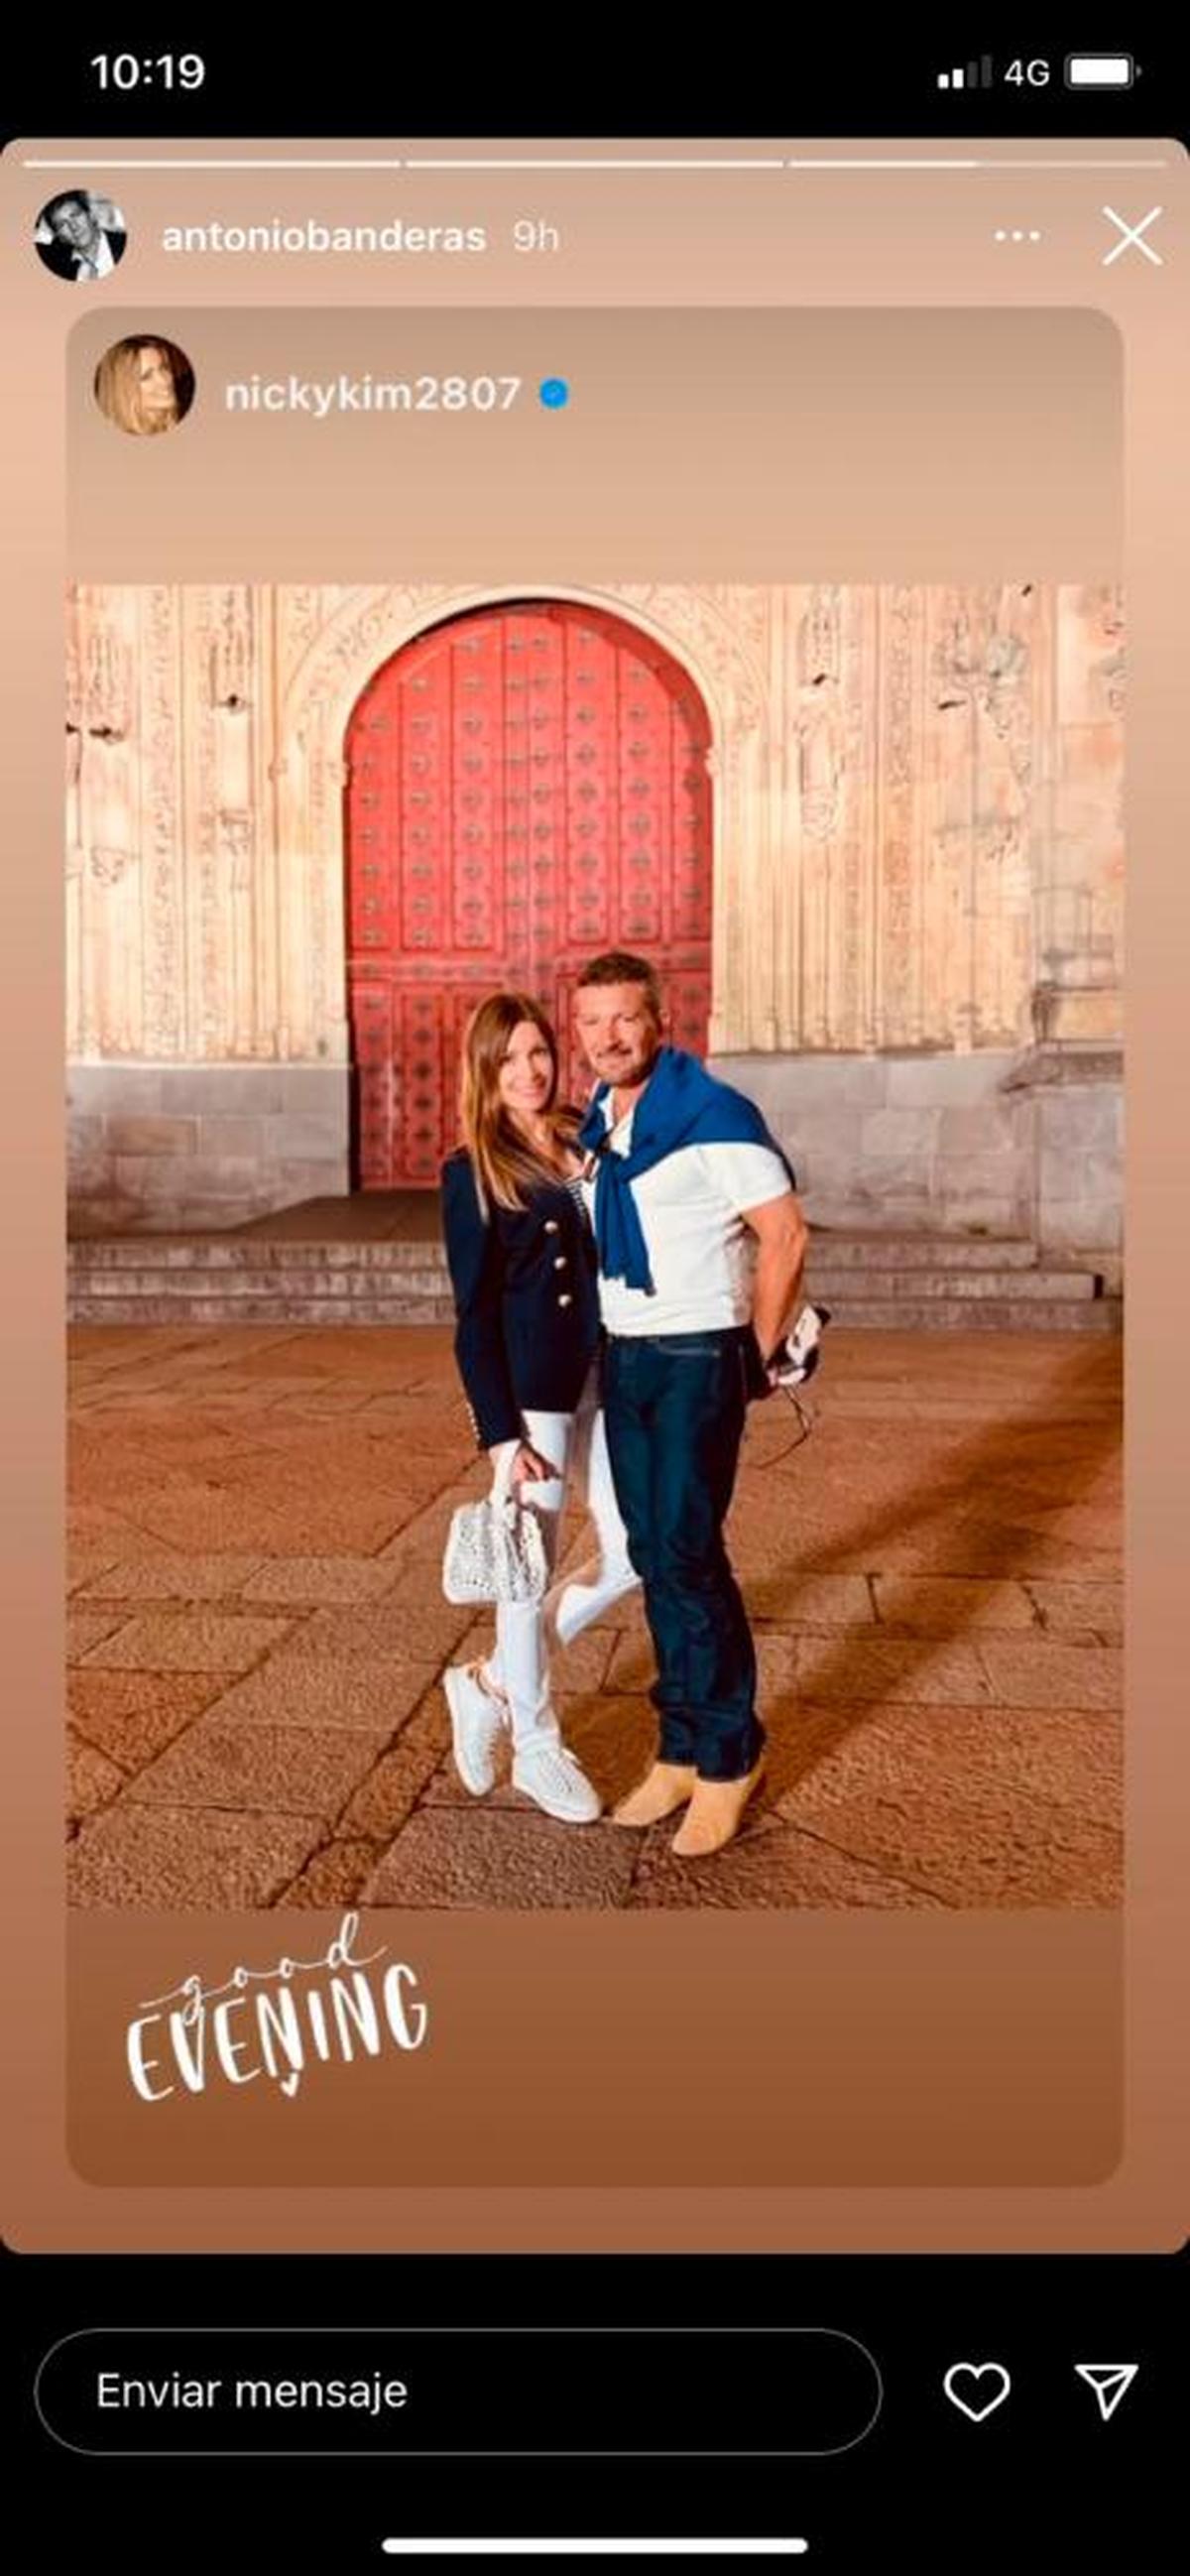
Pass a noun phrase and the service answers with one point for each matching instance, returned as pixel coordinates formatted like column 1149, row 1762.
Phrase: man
column 701, row 1249
column 80, row 236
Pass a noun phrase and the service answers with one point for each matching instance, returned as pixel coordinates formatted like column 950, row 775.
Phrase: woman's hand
column 527, row 1466
column 530, row 1468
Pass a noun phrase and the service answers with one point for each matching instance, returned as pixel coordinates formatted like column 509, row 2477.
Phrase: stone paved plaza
column 257, row 1634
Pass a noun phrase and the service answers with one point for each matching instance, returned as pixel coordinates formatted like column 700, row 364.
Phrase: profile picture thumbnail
column 144, row 384
column 80, row 235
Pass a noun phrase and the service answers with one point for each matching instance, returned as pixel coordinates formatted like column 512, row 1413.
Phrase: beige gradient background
column 981, row 2056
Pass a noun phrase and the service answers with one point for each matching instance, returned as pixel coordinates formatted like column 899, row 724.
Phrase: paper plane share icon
column 1110, row 2380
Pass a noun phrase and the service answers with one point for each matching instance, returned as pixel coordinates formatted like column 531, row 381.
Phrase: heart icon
column 978, row 2401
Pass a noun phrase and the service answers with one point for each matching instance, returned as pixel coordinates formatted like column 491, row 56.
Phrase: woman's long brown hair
column 118, row 391
column 505, row 1164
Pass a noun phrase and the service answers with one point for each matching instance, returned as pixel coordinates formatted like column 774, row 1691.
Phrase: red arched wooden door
column 526, row 785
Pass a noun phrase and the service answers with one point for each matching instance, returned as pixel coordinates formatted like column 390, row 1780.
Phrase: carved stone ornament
column 108, row 866
column 231, row 651
column 106, row 692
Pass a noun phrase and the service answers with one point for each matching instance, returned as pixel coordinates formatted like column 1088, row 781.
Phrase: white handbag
column 494, row 1552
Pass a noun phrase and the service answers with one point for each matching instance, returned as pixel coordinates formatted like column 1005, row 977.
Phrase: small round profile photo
column 144, row 385
column 80, row 235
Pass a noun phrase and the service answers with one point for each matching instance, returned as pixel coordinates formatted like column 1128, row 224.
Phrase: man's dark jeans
column 674, row 1407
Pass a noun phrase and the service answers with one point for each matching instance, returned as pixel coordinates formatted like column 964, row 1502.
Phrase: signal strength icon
column 977, row 75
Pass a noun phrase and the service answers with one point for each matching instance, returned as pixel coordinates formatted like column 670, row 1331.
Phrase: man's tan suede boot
column 667, row 1788
column 716, row 1810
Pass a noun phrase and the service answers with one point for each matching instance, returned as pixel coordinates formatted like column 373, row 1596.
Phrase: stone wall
column 1022, row 1144
column 152, row 1147
column 1068, row 1102
column 897, row 1140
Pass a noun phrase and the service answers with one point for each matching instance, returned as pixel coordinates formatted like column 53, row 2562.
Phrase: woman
column 145, row 386
column 522, row 1265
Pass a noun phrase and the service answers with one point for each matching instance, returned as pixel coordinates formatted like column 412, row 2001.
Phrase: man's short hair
column 618, row 966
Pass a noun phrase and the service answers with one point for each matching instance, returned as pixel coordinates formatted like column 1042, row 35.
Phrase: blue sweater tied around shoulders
column 682, row 1104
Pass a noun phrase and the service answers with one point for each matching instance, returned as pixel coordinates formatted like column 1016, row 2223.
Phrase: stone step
column 315, row 1279
column 93, row 1254
column 862, row 1251
column 834, row 1251
column 237, row 1287
column 981, row 1315
column 290, row 1309
column 904, row 1313
column 853, row 1286
column 873, row 1282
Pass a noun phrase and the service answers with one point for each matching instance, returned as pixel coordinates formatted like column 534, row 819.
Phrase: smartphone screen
column 622, row 784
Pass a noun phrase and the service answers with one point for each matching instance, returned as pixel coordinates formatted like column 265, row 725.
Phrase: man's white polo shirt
column 701, row 1254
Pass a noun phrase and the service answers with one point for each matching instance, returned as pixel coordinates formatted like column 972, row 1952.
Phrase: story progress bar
column 589, row 2548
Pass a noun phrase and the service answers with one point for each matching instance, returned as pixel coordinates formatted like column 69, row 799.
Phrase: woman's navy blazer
column 526, row 1296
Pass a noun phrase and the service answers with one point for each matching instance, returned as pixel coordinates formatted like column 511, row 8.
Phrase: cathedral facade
column 871, row 835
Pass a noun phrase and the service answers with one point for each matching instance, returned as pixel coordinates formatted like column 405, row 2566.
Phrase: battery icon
column 1099, row 71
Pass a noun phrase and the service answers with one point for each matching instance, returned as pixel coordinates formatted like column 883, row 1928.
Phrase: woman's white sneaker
column 549, row 1775
column 478, row 1717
